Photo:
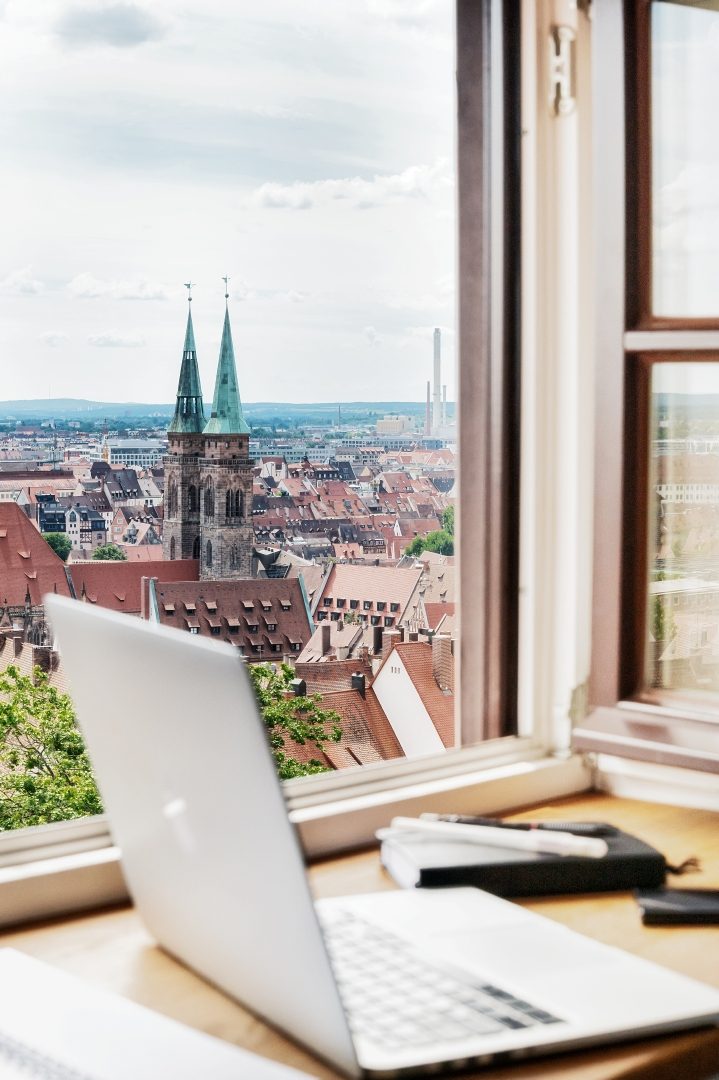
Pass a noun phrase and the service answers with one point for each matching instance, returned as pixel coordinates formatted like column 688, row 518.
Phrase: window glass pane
column 307, row 152
column 683, row 610
column 685, row 159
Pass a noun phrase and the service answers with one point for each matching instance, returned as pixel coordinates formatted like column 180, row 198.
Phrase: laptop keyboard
column 396, row 997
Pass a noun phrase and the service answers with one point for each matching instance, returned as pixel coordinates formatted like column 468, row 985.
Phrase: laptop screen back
column 185, row 772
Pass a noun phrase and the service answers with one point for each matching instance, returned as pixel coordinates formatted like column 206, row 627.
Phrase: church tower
column 226, row 530
column 181, row 529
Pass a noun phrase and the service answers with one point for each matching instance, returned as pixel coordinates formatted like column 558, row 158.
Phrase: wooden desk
column 112, row 949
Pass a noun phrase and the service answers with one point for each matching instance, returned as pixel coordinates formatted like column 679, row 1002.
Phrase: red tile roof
column 364, row 724
column 144, row 553
column 27, row 562
column 370, row 583
column 326, row 675
column 117, row 585
column 367, row 735
column 436, row 612
column 26, row 656
column 236, row 608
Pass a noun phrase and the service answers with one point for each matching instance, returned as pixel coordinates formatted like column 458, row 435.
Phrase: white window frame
column 53, row 869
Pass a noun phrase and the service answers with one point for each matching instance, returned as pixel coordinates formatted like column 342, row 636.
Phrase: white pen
column 544, row 841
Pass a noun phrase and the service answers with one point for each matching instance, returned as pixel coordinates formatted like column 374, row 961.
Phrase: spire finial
column 227, row 295
column 188, row 286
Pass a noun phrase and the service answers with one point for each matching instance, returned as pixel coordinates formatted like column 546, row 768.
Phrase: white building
column 135, row 453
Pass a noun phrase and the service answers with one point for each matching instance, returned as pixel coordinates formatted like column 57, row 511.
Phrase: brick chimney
column 357, row 682
column 42, row 657
column 443, row 661
column 325, row 630
column 377, row 640
column 390, row 638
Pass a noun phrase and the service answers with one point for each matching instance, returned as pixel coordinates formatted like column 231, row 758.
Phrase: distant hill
column 688, row 401
column 80, row 409
column 76, row 408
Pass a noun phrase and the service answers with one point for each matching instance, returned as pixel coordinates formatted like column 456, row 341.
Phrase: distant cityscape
column 316, row 536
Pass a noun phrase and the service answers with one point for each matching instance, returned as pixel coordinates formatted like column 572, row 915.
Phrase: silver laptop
column 377, row 984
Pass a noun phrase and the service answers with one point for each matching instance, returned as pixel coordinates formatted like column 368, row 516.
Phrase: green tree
column 663, row 626
column 291, row 719
column 109, row 551
column 45, row 772
column 448, row 520
column 60, row 544
column 440, row 541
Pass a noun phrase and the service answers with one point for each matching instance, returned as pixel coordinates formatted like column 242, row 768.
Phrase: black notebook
column 430, row 862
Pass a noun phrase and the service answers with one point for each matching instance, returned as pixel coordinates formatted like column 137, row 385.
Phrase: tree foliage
column 663, row 626
column 440, row 541
column 60, row 544
column 109, row 551
column 45, row 772
column 448, row 520
column 298, row 720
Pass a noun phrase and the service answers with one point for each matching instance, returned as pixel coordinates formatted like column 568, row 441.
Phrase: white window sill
column 38, row 882
column 645, row 780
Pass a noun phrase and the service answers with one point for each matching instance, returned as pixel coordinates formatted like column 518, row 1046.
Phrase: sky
column 685, row 138
column 305, row 150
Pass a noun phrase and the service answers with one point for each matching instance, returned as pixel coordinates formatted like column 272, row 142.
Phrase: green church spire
column 189, row 412
column 226, row 418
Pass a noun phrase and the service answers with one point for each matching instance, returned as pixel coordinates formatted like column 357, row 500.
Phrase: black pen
column 576, row 828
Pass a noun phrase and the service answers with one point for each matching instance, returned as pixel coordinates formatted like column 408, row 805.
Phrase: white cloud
column 372, row 337
column 53, row 338
column 415, row 182
column 21, row 283
column 113, row 339
column 400, row 11
column 88, row 287
column 244, row 293
column 441, row 296
column 120, row 25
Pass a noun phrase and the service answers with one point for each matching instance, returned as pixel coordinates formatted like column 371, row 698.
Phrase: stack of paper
column 56, row 1027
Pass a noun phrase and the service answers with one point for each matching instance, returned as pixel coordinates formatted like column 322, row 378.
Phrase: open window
column 656, row 665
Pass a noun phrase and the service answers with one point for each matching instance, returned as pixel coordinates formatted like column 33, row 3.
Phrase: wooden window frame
column 639, row 178
column 489, row 371
column 626, row 720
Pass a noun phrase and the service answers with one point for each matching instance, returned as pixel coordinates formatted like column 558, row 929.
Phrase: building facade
column 135, row 453
column 208, row 470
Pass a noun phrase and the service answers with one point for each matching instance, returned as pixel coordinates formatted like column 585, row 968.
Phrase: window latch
column 561, row 70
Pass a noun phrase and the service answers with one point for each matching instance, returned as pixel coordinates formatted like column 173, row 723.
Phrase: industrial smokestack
column 427, row 415
column 436, row 395
column 444, row 406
